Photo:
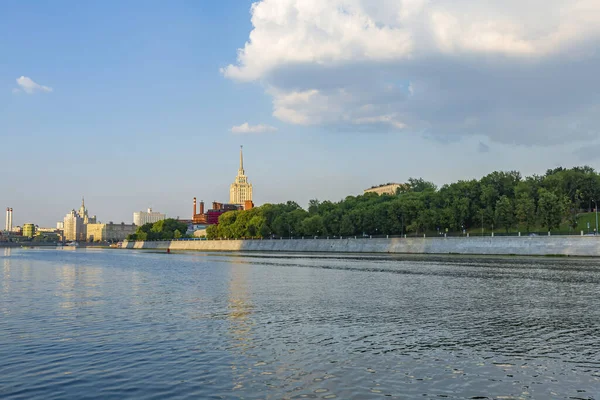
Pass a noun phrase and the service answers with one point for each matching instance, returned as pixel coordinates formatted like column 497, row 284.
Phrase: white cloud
column 28, row 86
column 247, row 128
column 514, row 71
column 381, row 119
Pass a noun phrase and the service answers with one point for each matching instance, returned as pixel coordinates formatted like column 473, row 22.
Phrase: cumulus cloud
column 28, row 86
column 512, row 71
column 247, row 128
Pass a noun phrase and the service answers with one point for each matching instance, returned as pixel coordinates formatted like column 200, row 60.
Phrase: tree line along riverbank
column 560, row 201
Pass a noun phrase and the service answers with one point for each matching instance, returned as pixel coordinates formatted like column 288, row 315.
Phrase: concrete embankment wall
column 529, row 246
column 9, row 244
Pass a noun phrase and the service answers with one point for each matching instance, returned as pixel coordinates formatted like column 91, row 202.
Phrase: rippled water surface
column 125, row 324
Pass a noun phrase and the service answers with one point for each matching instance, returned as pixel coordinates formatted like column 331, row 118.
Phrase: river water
column 117, row 324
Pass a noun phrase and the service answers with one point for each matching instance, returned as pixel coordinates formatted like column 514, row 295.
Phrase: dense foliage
column 162, row 230
column 501, row 201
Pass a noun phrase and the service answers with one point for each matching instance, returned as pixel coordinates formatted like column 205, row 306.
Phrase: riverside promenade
column 584, row 246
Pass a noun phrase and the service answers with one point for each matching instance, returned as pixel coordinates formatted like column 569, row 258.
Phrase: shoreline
column 547, row 246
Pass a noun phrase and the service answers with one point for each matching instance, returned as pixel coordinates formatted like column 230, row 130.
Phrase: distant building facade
column 211, row 217
column 240, row 190
column 109, row 232
column 240, row 198
column 73, row 227
column 28, row 230
column 83, row 213
column 60, row 225
column 388, row 188
column 142, row 217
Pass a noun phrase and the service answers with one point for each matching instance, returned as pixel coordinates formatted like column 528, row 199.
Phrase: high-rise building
column 142, row 217
column 74, row 228
column 83, row 213
column 240, row 190
column 74, row 224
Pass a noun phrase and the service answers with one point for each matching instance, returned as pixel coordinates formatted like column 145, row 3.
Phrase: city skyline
column 147, row 113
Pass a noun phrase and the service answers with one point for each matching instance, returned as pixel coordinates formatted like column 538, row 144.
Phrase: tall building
column 9, row 219
column 241, row 190
column 74, row 228
column 75, row 222
column 142, row 217
column 83, row 213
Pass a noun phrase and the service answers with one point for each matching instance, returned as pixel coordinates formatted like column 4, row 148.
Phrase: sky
column 143, row 104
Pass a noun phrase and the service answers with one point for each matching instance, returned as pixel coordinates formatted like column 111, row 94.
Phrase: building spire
column 241, row 161
column 82, row 202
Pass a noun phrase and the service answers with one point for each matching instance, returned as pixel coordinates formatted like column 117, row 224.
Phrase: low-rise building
column 388, row 188
column 109, row 232
column 28, row 230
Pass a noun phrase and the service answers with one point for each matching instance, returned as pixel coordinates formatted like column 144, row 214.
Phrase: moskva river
column 102, row 324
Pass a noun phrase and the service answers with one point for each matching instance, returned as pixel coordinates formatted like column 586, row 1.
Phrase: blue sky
column 141, row 110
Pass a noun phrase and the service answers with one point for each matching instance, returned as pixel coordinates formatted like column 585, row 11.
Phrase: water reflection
column 240, row 323
column 263, row 326
column 6, row 270
column 79, row 286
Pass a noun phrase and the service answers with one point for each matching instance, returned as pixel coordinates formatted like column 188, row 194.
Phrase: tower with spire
column 83, row 213
column 240, row 190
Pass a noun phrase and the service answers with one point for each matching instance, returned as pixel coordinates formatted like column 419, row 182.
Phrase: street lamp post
column 596, row 207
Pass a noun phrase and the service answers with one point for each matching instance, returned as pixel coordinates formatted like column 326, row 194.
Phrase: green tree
column 346, row 226
column 212, row 232
column 525, row 210
column 313, row 226
column 418, row 185
column 549, row 209
column 505, row 216
column 502, row 198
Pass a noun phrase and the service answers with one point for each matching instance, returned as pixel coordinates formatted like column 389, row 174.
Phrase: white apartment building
column 142, row 217
column 74, row 227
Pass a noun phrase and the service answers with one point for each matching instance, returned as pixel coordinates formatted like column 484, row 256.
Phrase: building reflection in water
column 6, row 270
column 79, row 285
column 248, row 365
column 239, row 312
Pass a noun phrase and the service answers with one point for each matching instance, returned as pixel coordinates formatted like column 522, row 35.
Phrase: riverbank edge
column 554, row 246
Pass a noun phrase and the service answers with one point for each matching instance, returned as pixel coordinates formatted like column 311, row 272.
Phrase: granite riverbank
column 584, row 246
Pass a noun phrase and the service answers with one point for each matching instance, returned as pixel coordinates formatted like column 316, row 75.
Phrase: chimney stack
column 194, row 213
column 202, row 207
column 10, row 221
column 7, row 219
